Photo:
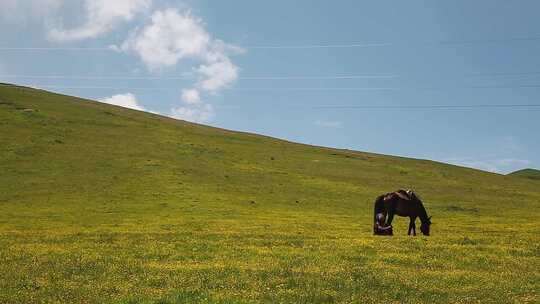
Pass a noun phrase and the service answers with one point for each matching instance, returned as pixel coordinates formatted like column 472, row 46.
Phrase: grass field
column 527, row 173
column 100, row 204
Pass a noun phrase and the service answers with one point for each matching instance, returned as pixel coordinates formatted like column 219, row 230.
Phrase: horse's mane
column 413, row 195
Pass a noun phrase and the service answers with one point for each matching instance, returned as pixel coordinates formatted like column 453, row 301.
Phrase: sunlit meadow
column 100, row 204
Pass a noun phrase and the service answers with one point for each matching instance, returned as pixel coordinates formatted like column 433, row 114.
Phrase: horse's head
column 424, row 227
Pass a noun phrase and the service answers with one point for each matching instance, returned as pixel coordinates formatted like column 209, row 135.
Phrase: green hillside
column 527, row 173
column 101, row 204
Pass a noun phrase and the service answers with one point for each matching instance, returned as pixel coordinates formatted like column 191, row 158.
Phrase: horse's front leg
column 390, row 218
column 413, row 223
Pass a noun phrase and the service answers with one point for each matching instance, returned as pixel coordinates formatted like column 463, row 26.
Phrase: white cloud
column 496, row 165
column 191, row 96
column 200, row 114
column 329, row 124
column 101, row 17
column 170, row 36
column 173, row 35
column 20, row 12
column 126, row 100
column 512, row 161
column 217, row 74
column 504, row 154
column 472, row 163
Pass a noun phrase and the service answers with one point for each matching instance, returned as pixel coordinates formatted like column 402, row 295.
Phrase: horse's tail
column 378, row 206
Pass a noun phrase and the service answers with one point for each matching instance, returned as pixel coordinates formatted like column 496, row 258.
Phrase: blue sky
column 362, row 75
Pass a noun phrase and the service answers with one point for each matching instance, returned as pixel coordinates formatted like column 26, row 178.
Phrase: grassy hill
column 101, row 204
column 527, row 173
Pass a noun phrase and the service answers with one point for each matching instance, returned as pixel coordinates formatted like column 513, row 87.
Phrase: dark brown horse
column 403, row 203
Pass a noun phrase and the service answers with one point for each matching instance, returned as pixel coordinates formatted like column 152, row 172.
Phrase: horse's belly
column 401, row 211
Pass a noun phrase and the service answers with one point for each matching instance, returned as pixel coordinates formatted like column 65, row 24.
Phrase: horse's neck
column 422, row 214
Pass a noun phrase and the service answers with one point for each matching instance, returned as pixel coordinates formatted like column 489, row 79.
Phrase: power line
column 413, row 107
column 97, row 77
column 292, row 77
column 192, row 77
column 56, row 49
column 294, row 88
column 321, row 77
column 489, row 74
column 228, row 89
column 528, row 107
column 390, row 44
column 321, row 46
column 300, row 77
column 431, row 106
column 311, row 46
column 487, row 41
column 318, row 89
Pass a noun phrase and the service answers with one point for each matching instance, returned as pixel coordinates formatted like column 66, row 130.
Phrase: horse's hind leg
column 411, row 223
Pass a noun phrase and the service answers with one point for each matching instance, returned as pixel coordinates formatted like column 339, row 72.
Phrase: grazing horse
column 403, row 203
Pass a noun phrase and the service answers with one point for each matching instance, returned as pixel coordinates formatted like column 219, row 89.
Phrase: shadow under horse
column 403, row 203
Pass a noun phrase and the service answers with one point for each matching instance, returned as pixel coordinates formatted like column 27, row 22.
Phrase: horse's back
column 401, row 203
